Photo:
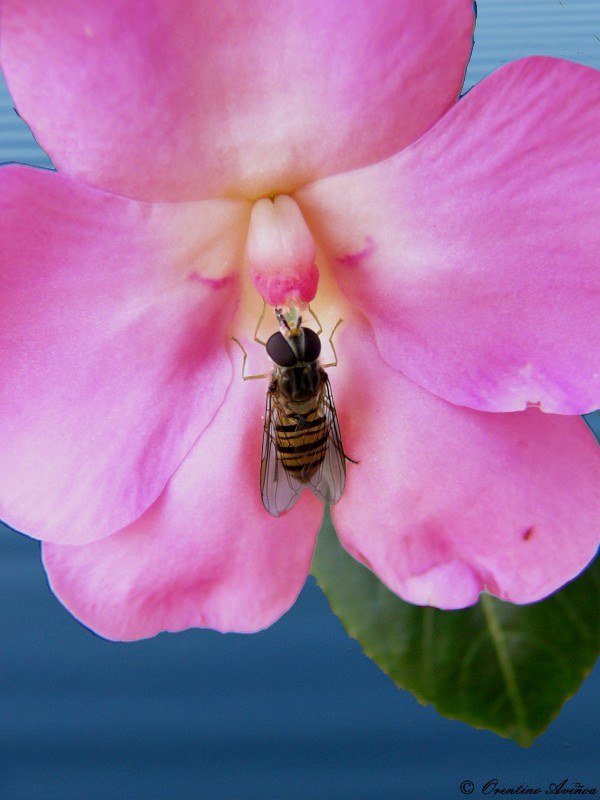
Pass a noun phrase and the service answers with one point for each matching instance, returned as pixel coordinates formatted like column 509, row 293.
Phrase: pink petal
column 206, row 554
column 447, row 501
column 475, row 252
column 112, row 355
column 197, row 99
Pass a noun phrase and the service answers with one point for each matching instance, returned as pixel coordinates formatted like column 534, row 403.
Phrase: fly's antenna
column 289, row 328
column 283, row 323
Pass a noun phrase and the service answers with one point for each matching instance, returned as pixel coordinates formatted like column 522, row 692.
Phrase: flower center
column 281, row 252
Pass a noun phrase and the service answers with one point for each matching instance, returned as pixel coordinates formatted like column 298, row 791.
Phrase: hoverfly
column 302, row 446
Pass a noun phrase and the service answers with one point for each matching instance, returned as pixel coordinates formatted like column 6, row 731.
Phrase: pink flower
column 459, row 241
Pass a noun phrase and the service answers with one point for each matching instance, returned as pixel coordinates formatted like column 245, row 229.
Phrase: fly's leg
column 317, row 320
column 335, row 355
column 320, row 331
column 244, row 376
column 258, row 341
column 258, row 324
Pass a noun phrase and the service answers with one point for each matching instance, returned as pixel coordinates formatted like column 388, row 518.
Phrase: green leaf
column 496, row 665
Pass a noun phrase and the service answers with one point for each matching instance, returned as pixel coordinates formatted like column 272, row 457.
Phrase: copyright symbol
column 467, row 787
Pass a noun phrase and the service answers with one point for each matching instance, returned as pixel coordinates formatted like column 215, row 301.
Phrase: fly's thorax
column 299, row 385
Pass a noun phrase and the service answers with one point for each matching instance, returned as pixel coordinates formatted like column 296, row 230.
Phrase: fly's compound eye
column 312, row 345
column 280, row 352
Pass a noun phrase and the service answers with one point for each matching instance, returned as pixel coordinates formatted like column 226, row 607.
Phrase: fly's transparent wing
column 328, row 481
column 279, row 489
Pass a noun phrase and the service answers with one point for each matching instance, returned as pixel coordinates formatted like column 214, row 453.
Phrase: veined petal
column 206, row 554
column 112, row 347
column 193, row 99
column 447, row 501
column 475, row 253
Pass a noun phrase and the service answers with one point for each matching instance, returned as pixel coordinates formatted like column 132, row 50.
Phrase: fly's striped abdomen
column 301, row 442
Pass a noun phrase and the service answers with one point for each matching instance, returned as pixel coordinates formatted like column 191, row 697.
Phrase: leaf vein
column 504, row 661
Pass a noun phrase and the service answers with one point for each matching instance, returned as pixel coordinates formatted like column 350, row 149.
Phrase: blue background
column 296, row 712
